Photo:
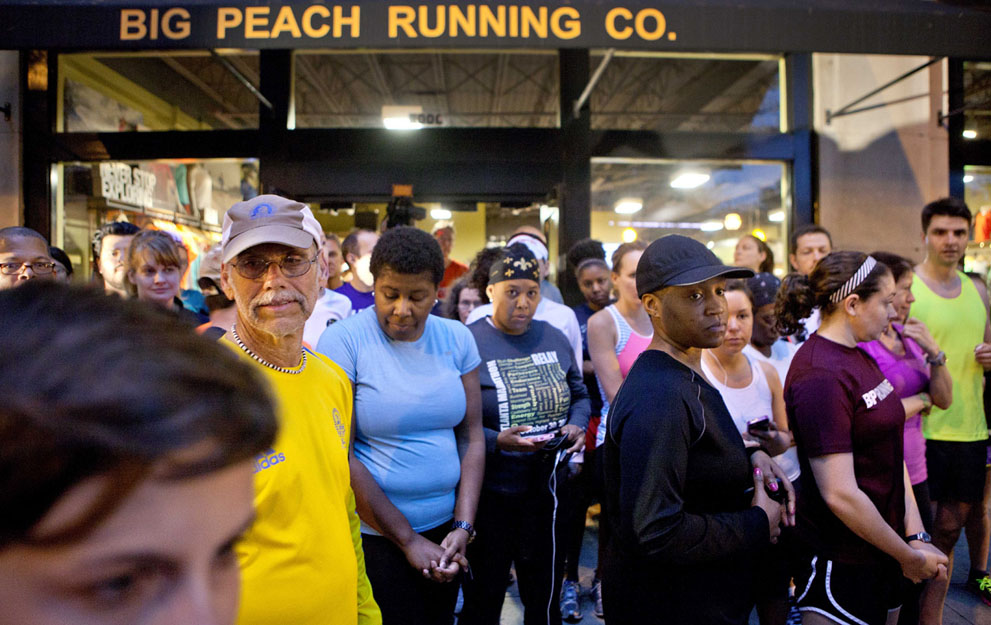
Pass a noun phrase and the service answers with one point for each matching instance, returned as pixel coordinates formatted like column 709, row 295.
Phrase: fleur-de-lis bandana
column 516, row 263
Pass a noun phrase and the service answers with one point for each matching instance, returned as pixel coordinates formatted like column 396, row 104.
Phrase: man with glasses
column 302, row 561
column 23, row 256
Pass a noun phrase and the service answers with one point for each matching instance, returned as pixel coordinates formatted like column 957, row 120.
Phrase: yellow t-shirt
column 301, row 562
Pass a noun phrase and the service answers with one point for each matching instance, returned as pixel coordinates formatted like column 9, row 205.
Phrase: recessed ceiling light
column 968, row 179
column 689, row 180
column 628, row 205
column 440, row 213
column 711, row 226
column 733, row 221
column 629, row 235
column 969, row 134
column 776, row 216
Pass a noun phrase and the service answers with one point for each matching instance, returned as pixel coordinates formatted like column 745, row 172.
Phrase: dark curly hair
column 409, row 251
column 479, row 270
column 800, row 294
column 583, row 250
column 118, row 228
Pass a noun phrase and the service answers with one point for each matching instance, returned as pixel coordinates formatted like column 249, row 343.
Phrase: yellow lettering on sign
column 255, row 19
column 660, row 24
column 308, row 27
column 496, row 21
column 228, row 17
column 401, row 16
column 425, row 28
column 531, row 20
column 285, row 21
column 514, row 20
column 566, row 28
column 618, row 33
column 353, row 20
column 132, row 24
column 458, row 19
column 178, row 28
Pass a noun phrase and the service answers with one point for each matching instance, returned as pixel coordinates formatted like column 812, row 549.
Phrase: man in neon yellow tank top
column 302, row 561
column 955, row 308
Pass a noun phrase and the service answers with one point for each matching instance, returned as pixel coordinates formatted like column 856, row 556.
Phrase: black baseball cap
column 677, row 260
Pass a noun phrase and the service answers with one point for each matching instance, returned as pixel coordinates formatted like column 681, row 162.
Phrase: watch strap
column 923, row 536
column 466, row 526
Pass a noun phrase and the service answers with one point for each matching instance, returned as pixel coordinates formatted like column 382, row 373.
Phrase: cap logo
column 256, row 212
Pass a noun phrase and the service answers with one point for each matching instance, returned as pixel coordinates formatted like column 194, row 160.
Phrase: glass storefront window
column 120, row 92
column 186, row 197
column 665, row 92
column 977, row 99
column 715, row 202
column 463, row 89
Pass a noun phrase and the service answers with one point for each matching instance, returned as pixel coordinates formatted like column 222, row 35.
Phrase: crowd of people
column 397, row 442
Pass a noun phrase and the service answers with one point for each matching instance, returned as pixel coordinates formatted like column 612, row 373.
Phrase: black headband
column 516, row 263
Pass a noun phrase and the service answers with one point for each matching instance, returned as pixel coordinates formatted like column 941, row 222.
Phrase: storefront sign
column 123, row 184
column 881, row 26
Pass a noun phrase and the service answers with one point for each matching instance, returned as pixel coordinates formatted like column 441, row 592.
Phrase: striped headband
column 855, row 280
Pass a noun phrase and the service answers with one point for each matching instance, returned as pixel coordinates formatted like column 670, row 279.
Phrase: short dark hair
column 93, row 385
column 118, row 228
column 20, row 232
column 899, row 265
column 410, row 251
column 449, row 308
column 60, row 257
column 350, row 243
column 801, row 231
column 800, row 294
column 948, row 206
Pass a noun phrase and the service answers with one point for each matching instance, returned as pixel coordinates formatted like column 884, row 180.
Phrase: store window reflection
column 977, row 195
column 135, row 91
column 977, row 100
column 715, row 202
column 186, row 197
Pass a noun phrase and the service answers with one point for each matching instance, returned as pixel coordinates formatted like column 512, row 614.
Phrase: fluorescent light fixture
column 776, row 216
column 711, row 226
column 628, row 205
column 968, row 178
column 399, row 117
column 440, row 213
column 732, row 221
column 689, row 180
column 969, row 134
column 629, row 235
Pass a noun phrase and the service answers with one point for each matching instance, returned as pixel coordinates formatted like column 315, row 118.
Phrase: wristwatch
column 938, row 360
column 466, row 526
column 923, row 536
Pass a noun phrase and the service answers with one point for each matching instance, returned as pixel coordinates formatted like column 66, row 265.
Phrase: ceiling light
column 689, row 180
column 711, row 226
column 776, row 216
column 968, row 179
column 759, row 234
column 401, row 117
column 440, row 213
column 969, row 134
column 710, row 244
column 733, row 221
column 628, row 205
column 629, row 235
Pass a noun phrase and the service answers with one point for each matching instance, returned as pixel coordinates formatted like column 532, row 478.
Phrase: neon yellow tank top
column 957, row 324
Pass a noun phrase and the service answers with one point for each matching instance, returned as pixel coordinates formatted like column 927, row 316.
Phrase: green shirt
column 957, row 324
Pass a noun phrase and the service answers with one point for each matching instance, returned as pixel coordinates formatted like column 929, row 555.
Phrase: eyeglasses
column 291, row 266
column 12, row 269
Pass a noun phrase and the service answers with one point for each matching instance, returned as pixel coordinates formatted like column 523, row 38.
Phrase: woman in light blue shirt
column 419, row 448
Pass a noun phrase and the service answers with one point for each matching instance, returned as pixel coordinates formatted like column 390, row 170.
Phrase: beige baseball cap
column 268, row 219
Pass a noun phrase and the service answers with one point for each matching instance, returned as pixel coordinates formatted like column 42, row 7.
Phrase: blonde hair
column 154, row 245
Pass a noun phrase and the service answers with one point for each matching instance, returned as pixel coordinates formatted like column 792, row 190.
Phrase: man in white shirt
column 809, row 244
column 329, row 308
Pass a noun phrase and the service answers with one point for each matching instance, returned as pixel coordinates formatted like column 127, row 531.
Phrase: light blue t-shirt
column 408, row 399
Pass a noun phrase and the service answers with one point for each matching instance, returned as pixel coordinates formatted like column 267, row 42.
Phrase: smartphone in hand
column 761, row 425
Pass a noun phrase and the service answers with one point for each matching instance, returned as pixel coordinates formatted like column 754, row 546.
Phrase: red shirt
column 454, row 271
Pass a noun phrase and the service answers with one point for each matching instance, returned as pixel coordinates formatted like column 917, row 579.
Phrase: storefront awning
column 922, row 27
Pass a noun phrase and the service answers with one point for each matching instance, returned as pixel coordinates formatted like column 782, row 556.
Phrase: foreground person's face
column 165, row 556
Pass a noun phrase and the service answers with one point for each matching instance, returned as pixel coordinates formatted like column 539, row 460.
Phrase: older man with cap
column 687, row 509
column 302, row 561
column 766, row 344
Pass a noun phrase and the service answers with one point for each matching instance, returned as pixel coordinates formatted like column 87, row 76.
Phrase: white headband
column 855, row 280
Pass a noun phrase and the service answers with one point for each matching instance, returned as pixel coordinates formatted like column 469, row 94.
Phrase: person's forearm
column 855, row 509
column 913, row 405
column 374, row 506
column 913, row 520
column 941, row 386
column 472, row 472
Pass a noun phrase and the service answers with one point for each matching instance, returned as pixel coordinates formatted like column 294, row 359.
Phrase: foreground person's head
column 681, row 284
column 126, row 447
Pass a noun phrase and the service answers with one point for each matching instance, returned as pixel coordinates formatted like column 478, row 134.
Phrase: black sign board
column 921, row 27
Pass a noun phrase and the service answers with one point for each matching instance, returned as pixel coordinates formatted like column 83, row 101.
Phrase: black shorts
column 956, row 470
column 851, row 594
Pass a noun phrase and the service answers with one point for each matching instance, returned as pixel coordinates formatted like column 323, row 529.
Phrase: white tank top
column 750, row 402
